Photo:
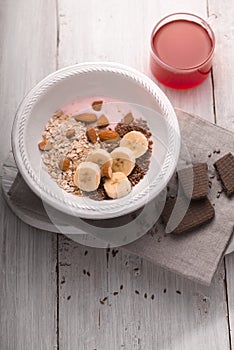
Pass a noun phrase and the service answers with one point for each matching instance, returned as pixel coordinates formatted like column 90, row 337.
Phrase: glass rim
column 201, row 22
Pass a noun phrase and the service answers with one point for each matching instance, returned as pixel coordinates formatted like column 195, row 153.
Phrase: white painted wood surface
column 223, row 69
column 28, row 258
column 181, row 316
column 121, row 33
column 197, row 318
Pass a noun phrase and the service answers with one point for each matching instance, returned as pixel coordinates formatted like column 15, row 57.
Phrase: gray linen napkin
column 194, row 255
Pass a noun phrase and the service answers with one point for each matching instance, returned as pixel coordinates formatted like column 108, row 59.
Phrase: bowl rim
column 113, row 209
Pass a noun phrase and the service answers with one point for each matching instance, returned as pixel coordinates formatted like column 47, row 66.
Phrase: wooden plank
column 28, row 285
column 28, row 300
column 114, row 32
column 229, row 266
column 126, row 302
column 221, row 17
column 223, row 70
column 194, row 319
column 28, row 40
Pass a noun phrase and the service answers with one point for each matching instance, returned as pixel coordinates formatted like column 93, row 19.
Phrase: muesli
column 87, row 155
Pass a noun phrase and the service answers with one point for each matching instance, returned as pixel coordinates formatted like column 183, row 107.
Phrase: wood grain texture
column 223, row 71
column 194, row 319
column 28, row 53
column 229, row 265
column 28, row 285
column 121, row 32
column 117, row 301
column 222, row 15
column 182, row 315
column 27, row 256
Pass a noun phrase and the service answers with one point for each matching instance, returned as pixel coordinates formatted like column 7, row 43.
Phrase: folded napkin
column 196, row 254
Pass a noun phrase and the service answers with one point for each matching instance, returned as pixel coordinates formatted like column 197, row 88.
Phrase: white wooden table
column 47, row 298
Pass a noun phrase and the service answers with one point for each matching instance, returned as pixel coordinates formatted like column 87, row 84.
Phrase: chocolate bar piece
column 197, row 214
column 225, row 169
column 194, row 180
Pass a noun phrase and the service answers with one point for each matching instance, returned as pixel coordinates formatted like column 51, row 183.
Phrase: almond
column 64, row 164
column 106, row 170
column 45, row 145
column 108, row 136
column 70, row 133
column 86, row 117
column 58, row 114
column 128, row 118
column 91, row 135
column 97, row 105
column 102, row 121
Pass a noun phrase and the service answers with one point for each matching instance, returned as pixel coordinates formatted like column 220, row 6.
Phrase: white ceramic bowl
column 90, row 79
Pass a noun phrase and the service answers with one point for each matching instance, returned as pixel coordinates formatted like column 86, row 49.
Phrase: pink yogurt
column 114, row 109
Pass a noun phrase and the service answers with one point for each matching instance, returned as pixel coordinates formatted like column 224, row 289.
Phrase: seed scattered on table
column 114, row 252
column 102, row 301
column 216, row 150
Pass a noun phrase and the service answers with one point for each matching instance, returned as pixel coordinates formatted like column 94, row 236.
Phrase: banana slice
column 87, row 176
column 136, row 141
column 117, row 186
column 100, row 157
column 106, row 170
column 123, row 160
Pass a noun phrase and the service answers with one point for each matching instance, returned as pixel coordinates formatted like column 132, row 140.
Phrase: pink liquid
column 181, row 45
column 114, row 109
column 83, row 104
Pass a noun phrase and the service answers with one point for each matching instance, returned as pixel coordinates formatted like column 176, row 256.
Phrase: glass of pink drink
column 182, row 48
